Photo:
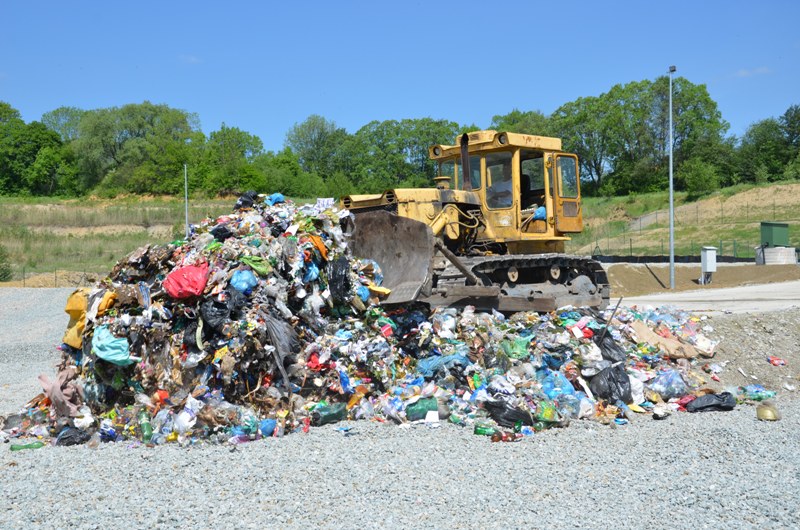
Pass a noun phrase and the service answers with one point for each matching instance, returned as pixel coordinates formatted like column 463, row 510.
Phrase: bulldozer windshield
column 474, row 170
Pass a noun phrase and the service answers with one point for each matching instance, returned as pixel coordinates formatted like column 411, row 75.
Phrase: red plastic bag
column 188, row 281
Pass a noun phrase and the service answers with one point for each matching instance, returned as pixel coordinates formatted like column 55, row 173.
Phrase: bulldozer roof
column 485, row 140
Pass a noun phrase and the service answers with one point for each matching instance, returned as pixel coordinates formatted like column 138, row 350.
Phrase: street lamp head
column 672, row 69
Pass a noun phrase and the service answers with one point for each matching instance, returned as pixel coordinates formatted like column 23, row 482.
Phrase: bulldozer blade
column 402, row 247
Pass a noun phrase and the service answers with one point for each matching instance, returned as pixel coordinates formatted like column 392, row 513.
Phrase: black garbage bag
column 610, row 350
column 72, row 436
column 612, row 384
column 236, row 300
column 215, row 314
column 506, row 414
column 190, row 336
column 712, row 402
column 409, row 322
column 221, row 232
column 282, row 335
column 339, row 279
column 247, row 200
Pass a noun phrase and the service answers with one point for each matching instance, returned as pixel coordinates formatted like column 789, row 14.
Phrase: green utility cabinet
column 774, row 234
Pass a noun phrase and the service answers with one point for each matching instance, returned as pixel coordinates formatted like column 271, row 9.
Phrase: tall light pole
column 671, row 203
column 186, row 199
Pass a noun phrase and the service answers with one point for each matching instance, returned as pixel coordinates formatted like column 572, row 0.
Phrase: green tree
column 763, row 151
column 790, row 123
column 339, row 186
column 623, row 135
column 394, row 153
column 20, row 144
column 8, row 113
column 138, row 148
column 700, row 176
column 525, row 122
column 316, row 142
column 792, row 171
column 64, row 121
column 230, row 151
column 583, row 127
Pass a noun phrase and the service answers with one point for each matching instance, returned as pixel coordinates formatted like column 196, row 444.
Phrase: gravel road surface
column 707, row 470
column 745, row 299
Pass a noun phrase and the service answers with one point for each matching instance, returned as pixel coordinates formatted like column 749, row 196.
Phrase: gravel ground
column 707, row 470
column 32, row 322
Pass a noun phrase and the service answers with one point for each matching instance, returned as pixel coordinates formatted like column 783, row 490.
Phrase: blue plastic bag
column 555, row 384
column 243, row 281
column 363, row 293
column 110, row 348
column 669, row 385
column 275, row 198
column 267, row 427
column 312, row 272
column 430, row 365
column 540, row 214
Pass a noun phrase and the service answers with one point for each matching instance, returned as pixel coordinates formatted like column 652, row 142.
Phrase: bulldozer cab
column 529, row 188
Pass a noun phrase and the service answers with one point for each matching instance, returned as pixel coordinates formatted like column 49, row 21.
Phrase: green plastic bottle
column 330, row 414
column 29, row 445
column 147, row 428
column 484, row 429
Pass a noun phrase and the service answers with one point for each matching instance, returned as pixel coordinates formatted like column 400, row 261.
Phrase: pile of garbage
column 262, row 323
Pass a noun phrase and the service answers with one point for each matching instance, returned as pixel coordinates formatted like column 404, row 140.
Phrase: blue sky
column 264, row 66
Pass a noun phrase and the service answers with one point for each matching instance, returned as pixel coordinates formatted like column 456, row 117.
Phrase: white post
column 186, row 198
column 671, row 203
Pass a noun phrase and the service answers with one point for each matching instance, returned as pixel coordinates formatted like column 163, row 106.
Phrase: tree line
column 621, row 137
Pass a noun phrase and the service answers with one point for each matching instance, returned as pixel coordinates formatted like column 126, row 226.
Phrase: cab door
column 569, row 218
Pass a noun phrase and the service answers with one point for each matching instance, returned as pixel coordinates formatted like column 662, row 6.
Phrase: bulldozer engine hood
column 432, row 195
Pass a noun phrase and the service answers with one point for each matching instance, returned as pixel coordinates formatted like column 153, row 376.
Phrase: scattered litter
column 755, row 393
column 776, row 361
column 767, row 411
column 745, row 375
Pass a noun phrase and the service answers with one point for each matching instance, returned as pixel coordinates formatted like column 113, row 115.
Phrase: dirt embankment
column 639, row 279
column 750, row 205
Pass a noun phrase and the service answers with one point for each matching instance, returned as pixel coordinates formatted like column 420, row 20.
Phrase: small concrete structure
column 776, row 256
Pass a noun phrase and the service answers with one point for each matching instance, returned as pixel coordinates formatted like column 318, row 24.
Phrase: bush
column 5, row 266
column 699, row 176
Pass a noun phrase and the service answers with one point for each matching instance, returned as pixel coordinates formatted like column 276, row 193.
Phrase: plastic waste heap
column 262, row 323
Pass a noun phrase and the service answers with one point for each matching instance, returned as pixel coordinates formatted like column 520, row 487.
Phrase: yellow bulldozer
column 490, row 234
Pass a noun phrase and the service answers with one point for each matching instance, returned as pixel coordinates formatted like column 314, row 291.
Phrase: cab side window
column 567, row 172
column 498, row 180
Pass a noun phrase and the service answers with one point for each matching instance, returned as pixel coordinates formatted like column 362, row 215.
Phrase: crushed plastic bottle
column 322, row 415
column 484, row 428
column 29, row 445
column 755, row 393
